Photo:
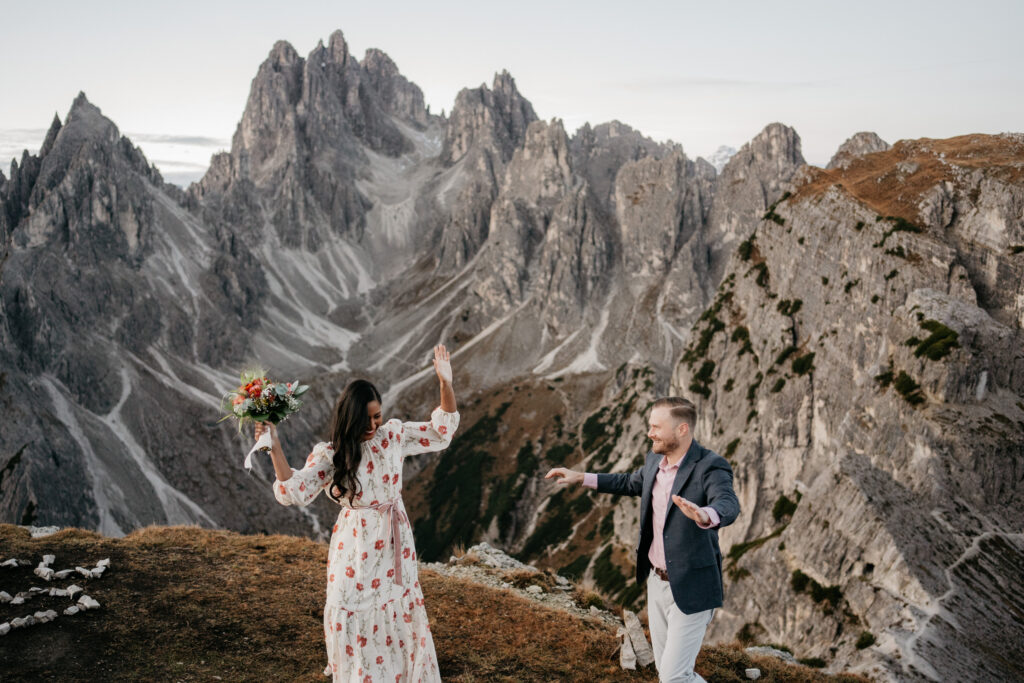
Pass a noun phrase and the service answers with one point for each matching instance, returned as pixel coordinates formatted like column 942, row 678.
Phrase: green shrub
column 908, row 389
column 898, row 251
column 850, row 285
column 892, row 273
column 865, row 639
column 746, row 249
column 728, row 385
column 859, row 226
column 784, row 507
column 787, row 307
column 813, row 662
column 884, row 378
column 824, row 281
column 575, row 569
column 939, row 343
column 1017, row 249
column 798, row 581
column 777, row 387
column 594, row 430
column 785, row 354
column 752, row 389
column 774, row 217
column 731, row 447
column 803, row 364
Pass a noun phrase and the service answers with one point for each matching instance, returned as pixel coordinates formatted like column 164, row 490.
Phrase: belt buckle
column 661, row 573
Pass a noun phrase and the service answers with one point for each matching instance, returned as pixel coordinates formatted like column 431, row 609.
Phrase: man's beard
column 667, row 446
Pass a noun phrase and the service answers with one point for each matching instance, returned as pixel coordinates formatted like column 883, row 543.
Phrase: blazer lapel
column 650, row 472
column 690, row 460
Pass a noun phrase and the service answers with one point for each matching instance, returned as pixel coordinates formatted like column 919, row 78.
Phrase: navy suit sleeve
column 720, row 495
column 628, row 484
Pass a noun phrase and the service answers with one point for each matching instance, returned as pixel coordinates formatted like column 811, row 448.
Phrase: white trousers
column 675, row 636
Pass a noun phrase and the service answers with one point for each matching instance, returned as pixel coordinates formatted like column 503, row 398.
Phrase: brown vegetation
column 892, row 183
column 188, row 604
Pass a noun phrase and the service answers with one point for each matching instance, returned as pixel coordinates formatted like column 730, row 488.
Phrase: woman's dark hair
column 351, row 422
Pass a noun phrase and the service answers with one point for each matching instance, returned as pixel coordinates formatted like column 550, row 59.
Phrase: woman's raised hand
column 442, row 364
column 264, row 426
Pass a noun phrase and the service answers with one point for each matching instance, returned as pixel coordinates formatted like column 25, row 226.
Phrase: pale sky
column 175, row 76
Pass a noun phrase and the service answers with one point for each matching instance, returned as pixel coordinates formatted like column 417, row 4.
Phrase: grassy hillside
column 187, row 604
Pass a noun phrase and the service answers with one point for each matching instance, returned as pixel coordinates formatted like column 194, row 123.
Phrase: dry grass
column 188, row 604
column 877, row 181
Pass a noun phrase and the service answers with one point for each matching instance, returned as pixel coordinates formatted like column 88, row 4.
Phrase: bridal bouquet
column 257, row 399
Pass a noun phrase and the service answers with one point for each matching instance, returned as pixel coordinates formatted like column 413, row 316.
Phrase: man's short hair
column 679, row 408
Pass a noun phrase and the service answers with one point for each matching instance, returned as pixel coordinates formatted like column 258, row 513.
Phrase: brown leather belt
column 660, row 573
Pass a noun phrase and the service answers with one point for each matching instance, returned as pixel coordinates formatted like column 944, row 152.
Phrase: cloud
column 697, row 82
column 190, row 140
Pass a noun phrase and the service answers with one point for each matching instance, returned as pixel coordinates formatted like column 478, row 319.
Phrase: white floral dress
column 374, row 620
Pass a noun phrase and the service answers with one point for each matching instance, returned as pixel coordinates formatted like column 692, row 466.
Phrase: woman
column 374, row 621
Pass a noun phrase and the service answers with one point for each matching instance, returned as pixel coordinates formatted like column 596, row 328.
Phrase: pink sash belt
column 390, row 508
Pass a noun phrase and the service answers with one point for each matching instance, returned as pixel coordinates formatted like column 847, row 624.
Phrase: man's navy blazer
column 693, row 557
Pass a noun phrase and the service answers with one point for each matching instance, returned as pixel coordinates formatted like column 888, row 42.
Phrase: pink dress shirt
column 661, row 499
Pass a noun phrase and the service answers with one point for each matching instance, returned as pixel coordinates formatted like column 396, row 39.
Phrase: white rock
column 59, row 592
column 73, row 589
column 13, row 562
column 18, row 601
column 104, row 562
column 45, row 616
column 19, row 622
column 534, row 589
column 5, row 596
column 752, row 674
column 73, row 610
column 87, row 573
column 63, row 573
column 594, row 609
column 44, row 573
column 85, row 602
column 98, row 572
column 5, row 628
column 36, row 589
column 49, row 559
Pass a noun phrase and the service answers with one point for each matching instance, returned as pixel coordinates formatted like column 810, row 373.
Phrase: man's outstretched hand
column 691, row 510
column 564, row 477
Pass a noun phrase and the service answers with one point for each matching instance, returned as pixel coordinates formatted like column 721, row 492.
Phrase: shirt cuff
column 715, row 520
column 590, row 480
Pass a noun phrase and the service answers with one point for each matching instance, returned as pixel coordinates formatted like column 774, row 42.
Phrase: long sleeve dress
column 375, row 623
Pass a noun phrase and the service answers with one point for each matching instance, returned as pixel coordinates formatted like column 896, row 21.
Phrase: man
column 678, row 545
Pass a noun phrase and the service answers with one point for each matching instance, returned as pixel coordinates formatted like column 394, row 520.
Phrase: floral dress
column 374, row 620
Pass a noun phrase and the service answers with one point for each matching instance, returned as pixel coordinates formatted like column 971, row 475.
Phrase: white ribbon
column 264, row 443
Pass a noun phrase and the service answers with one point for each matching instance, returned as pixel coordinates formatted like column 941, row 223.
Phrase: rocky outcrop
column 856, row 146
column 869, row 400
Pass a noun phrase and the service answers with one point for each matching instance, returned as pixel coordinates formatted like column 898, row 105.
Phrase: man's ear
column 683, row 429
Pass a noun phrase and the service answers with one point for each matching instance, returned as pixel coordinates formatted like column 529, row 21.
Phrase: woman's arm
column 443, row 368
column 281, row 467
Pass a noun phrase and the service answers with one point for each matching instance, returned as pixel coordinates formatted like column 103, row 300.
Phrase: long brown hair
column 351, row 421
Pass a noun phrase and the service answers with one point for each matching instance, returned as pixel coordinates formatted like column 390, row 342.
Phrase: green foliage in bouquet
column 257, row 399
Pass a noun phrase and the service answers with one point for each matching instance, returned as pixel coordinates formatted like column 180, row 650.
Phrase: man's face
column 665, row 432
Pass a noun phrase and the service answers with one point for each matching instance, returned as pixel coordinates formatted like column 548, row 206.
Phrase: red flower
column 362, row 641
column 386, row 477
column 359, row 586
column 341, row 545
column 375, row 584
column 407, row 618
column 391, row 572
column 423, row 428
column 378, row 545
column 390, row 435
column 375, row 628
column 365, row 555
column 349, row 651
column 384, row 443
column 355, row 533
column 350, row 572
column 369, row 468
column 405, row 553
column 363, row 521
column 302, row 487
column 283, row 490
column 320, row 474
column 423, row 642
column 337, row 626
column 388, row 641
column 374, row 449
column 442, row 430
column 367, row 678
column 335, row 528
column 380, row 660
column 401, row 643
column 332, row 577
column 424, row 442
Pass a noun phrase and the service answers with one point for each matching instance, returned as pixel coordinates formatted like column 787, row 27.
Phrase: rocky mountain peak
column 858, row 145
column 397, row 94
column 337, row 48
column 496, row 118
